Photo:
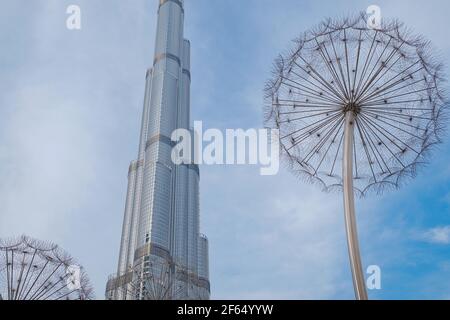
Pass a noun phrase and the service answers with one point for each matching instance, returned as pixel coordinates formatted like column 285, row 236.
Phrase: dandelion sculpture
column 358, row 109
column 36, row 270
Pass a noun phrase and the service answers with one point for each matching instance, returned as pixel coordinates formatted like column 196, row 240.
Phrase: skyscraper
column 162, row 253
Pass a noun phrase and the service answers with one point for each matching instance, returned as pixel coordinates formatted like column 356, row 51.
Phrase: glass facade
column 162, row 250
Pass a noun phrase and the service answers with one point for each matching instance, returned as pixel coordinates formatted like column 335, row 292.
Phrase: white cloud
column 280, row 238
column 68, row 129
column 439, row 235
column 47, row 143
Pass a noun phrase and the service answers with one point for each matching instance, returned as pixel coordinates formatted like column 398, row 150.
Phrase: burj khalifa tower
column 162, row 254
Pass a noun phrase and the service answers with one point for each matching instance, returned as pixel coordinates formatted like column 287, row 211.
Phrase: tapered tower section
column 161, row 248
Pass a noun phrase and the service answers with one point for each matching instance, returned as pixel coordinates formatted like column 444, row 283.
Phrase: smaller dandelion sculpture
column 357, row 109
column 37, row 270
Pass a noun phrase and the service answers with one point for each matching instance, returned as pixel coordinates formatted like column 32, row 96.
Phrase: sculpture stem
column 349, row 209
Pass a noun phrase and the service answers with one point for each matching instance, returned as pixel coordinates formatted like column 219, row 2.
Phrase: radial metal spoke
column 322, row 81
column 393, row 90
column 27, row 284
column 321, row 94
column 48, row 293
column 392, row 102
column 366, row 61
column 11, row 285
column 8, row 282
column 304, row 136
column 392, row 125
column 27, row 274
column 329, row 63
column 375, row 133
column 400, row 122
column 41, row 287
column 324, row 111
column 337, row 154
column 321, row 88
column 19, row 280
column 381, row 161
column 399, row 109
column 330, row 145
column 372, row 80
column 398, row 115
column 316, row 148
column 350, row 90
column 308, row 104
column 383, row 73
column 36, row 279
column 393, row 138
column 313, row 96
column 388, row 85
column 358, row 55
column 310, row 116
column 321, row 121
column 342, row 78
column 365, row 142
column 397, row 96
column 300, row 106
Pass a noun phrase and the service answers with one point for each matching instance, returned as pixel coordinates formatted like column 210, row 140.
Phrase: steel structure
column 35, row 270
column 358, row 110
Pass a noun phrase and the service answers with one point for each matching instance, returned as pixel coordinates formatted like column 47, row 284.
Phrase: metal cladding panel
column 193, row 224
column 186, row 55
column 127, row 219
column 134, row 221
column 135, row 213
column 170, row 29
column 203, row 257
column 167, row 65
column 145, row 114
column 185, row 89
column 157, row 202
column 181, row 181
column 159, row 151
column 180, row 230
column 156, row 205
column 164, row 105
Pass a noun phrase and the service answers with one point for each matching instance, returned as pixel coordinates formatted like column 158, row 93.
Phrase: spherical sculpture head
column 385, row 77
column 36, row 270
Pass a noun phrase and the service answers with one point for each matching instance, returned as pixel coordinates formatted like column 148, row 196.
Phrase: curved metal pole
column 349, row 209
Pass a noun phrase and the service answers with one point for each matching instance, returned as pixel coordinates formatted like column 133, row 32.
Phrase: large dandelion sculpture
column 358, row 109
column 37, row 270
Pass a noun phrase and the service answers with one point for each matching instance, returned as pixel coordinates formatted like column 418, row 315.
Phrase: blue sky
column 70, row 108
